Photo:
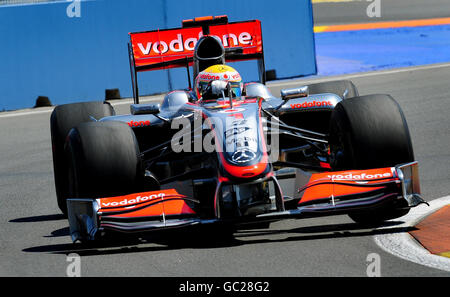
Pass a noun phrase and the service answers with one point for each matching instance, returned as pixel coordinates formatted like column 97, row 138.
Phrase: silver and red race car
column 319, row 149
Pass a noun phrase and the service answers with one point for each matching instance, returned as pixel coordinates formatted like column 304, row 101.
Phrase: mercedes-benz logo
column 243, row 156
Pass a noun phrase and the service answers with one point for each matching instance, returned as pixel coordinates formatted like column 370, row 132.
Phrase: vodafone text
column 180, row 45
column 361, row 176
column 209, row 76
column 138, row 199
column 138, row 123
column 312, row 104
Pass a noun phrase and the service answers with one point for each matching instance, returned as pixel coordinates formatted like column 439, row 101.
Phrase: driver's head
column 204, row 89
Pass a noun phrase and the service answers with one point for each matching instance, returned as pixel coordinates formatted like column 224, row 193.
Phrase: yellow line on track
column 382, row 25
column 446, row 254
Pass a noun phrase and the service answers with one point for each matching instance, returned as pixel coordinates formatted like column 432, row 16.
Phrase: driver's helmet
column 203, row 87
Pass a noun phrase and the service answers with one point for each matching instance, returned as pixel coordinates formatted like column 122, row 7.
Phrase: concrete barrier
column 73, row 51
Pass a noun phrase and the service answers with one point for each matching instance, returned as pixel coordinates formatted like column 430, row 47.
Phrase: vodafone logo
column 312, row 104
column 127, row 202
column 361, row 176
column 138, row 123
column 181, row 44
column 209, row 76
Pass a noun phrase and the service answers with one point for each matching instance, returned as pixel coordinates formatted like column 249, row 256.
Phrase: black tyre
column 62, row 119
column 370, row 132
column 104, row 160
column 342, row 88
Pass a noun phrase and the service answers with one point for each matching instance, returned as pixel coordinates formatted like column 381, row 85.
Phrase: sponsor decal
column 127, row 201
column 138, row 123
column 220, row 76
column 209, row 76
column 238, row 116
column 253, row 100
column 235, row 131
column 239, row 122
column 233, row 110
column 312, row 104
column 173, row 44
column 244, row 139
column 236, row 76
column 362, row 176
column 181, row 44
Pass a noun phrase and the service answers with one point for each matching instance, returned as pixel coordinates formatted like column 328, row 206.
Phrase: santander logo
column 181, row 44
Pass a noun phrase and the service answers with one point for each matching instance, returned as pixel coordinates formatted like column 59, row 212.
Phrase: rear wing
column 174, row 48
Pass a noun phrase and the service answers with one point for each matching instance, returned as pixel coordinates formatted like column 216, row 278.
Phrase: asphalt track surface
column 35, row 237
column 334, row 12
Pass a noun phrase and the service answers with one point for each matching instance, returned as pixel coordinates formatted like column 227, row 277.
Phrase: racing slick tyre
column 342, row 88
column 62, row 119
column 104, row 160
column 370, row 132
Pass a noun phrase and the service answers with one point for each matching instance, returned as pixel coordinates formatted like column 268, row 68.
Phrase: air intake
column 208, row 51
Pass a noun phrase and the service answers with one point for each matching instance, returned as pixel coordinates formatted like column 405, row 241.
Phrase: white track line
column 10, row 114
column 404, row 246
column 315, row 79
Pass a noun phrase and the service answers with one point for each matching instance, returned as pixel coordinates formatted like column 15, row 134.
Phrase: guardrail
column 73, row 51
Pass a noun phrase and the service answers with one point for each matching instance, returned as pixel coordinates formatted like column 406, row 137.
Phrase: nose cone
column 260, row 167
column 240, row 141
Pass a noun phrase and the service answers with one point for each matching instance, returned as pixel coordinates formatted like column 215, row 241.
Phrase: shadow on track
column 206, row 238
column 41, row 218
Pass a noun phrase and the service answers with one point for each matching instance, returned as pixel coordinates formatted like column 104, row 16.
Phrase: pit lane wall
column 73, row 50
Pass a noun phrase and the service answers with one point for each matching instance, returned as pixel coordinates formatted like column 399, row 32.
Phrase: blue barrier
column 368, row 50
column 45, row 52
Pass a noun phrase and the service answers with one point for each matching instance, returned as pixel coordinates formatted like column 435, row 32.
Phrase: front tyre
column 63, row 118
column 370, row 132
column 104, row 160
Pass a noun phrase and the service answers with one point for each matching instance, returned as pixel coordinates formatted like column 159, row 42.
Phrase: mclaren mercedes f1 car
column 217, row 155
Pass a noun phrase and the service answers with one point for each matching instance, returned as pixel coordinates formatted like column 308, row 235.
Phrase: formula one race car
column 226, row 153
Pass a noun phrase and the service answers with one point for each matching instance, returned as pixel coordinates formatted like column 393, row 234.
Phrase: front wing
column 326, row 193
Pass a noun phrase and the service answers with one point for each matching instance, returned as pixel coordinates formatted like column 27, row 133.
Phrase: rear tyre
column 104, row 160
column 62, row 119
column 370, row 132
column 342, row 88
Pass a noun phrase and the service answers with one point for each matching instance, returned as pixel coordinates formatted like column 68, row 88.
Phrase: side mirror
column 299, row 92
column 136, row 109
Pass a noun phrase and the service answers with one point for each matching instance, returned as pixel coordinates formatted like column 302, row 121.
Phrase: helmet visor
column 204, row 89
